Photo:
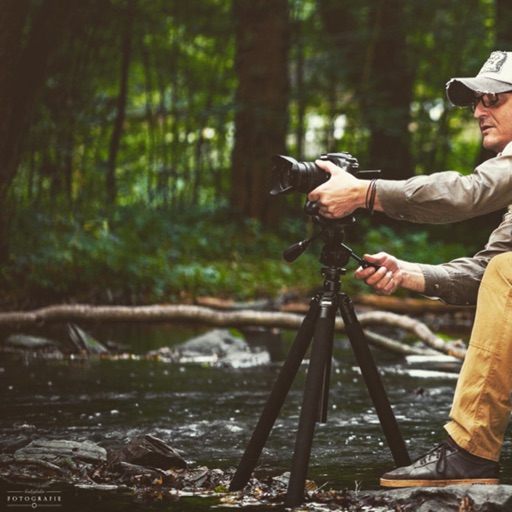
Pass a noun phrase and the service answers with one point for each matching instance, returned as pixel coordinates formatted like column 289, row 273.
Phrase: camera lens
column 307, row 177
column 292, row 176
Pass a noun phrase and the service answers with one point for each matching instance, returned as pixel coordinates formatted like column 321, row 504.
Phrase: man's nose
column 479, row 111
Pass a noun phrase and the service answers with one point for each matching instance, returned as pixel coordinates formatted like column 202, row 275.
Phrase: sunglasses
column 489, row 100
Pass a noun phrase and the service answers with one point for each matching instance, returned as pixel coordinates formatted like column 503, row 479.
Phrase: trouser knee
column 499, row 267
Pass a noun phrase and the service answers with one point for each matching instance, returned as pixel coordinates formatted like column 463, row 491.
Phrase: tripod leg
column 323, row 403
column 276, row 398
column 373, row 382
column 319, row 363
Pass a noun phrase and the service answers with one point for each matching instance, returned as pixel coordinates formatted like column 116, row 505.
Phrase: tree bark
column 387, row 90
column 115, row 140
column 23, row 73
column 261, row 62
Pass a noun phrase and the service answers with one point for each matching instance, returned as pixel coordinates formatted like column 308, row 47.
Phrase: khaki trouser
column 481, row 405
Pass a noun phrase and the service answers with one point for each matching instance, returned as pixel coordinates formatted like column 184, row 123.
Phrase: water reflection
column 208, row 413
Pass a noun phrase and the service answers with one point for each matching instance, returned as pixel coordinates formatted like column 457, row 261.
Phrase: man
column 481, row 408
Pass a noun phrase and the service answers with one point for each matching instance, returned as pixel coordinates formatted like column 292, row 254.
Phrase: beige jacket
column 450, row 197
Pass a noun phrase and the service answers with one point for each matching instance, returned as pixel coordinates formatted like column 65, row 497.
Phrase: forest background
column 136, row 137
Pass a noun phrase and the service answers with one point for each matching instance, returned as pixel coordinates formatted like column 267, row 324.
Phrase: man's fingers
column 363, row 273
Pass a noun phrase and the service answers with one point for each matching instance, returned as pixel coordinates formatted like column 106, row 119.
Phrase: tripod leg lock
column 347, row 309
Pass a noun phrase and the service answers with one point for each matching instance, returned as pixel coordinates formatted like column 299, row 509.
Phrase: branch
column 208, row 316
column 416, row 327
column 398, row 347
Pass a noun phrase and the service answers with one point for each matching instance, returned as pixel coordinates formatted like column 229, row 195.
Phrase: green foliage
column 147, row 256
column 162, row 240
column 414, row 245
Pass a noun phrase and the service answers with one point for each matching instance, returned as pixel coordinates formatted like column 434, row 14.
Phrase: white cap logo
column 494, row 63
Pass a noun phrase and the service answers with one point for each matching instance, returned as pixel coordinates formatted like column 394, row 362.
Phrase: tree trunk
column 13, row 14
column 126, row 51
column 503, row 25
column 262, row 33
column 22, row 78
column 387, row 90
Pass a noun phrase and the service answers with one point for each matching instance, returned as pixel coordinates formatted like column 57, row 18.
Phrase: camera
column 292, row 176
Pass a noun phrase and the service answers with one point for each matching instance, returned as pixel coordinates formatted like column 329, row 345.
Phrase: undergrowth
column 147, row 256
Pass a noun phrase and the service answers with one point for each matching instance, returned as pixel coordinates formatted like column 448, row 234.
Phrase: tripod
column 318, row 326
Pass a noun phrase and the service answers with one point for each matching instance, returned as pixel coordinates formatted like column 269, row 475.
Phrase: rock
column 98, row 487
column 148, row 451
column 217, row 342
column 27, row 342
column 28, row 348
column 166, row 354
column 219, row 346
column 59, row 450
column 246, row 359
column 11, row 446
column 456, row 498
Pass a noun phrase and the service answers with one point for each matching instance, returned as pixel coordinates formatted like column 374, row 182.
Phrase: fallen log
column 208, row 316
column 455, row 349
column 408, row 305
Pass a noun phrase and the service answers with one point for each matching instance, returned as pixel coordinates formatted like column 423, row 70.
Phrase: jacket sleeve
column 457, row 282
column 449, row 196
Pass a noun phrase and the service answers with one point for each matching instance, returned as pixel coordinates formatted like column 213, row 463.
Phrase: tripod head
column 334, row 252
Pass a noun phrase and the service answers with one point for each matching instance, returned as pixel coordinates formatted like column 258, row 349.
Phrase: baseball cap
column 494, row 77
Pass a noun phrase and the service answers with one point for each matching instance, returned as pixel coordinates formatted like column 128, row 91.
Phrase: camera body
column 289, row 175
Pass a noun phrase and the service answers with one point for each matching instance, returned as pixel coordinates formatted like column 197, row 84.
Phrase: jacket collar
column 507, row 150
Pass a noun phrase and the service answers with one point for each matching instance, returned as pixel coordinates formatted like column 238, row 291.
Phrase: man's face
column 495, row 122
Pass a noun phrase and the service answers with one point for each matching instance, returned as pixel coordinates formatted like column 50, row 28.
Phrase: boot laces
column 439, row 453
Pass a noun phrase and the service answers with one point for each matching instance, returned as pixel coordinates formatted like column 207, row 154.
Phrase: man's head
column 490, row 96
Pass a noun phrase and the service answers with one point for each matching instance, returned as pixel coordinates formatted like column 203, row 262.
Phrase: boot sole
column 385, row 482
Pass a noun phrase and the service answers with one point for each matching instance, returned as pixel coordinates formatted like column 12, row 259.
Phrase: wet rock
column 165, row 354
column 456, row 498
column 25, row 341
column 28, row 348
column 57, row 451
column 133, row 469
column 98, row 487
column 219, row 346
column 148, row 451
column 10, row 446
column 217, row 342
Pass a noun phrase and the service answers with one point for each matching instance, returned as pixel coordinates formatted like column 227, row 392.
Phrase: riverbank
column 147, row 474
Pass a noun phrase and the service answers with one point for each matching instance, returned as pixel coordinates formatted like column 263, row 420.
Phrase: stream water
column 208, row 412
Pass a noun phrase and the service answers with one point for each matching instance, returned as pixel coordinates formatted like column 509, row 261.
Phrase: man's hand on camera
column 341, row 194
column 386, row 279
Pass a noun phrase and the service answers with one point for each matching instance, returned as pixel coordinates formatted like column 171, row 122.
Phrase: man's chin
column 492, row 144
